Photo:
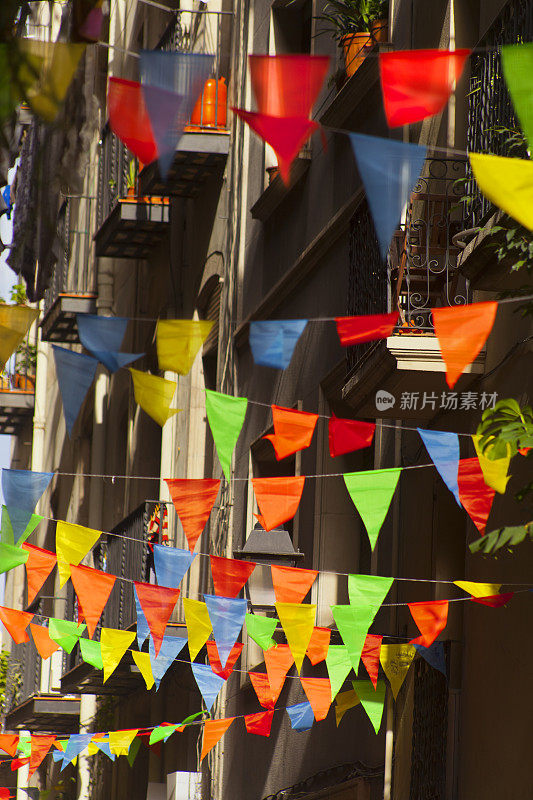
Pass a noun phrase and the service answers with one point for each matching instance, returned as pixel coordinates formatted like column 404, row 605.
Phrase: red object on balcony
column 210, row 110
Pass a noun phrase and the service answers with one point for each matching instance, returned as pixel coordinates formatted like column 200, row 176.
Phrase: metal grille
column 113, row 165
column 430, row 725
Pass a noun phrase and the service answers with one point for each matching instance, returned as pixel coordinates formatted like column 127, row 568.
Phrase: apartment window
column 209, row 308
column 291, row 26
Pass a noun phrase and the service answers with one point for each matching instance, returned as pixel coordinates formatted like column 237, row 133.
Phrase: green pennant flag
column 11, row 556
column 339, row 664
column 7, row 536
column 372, row 701
column 517, row 64
column 91, row 652
column 65, row 633
column 24, row 744
column 260, row 629
column 366, row 593
column 135, row 746
column 371, row 494
column 226, row 418
column 162, row 732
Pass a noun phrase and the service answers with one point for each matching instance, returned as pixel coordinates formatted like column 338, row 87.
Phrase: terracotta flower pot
column 379, row 29
column 356, row 47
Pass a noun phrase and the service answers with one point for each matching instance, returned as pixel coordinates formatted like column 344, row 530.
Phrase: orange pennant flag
column 318, row 691
column 431, row 618
column 214, row 730
column 157, row 604
column 9, row 743
column 193, row 500
column 214, row 658
column 39, row 565
column 474, row 493
column 263, row 689
column 370, row 656
column 318, row 646
column 230, row 575
column 92, row 587
column 45, row 646
column 462, row 331
column 291, row 584
column 40, row 745
column 278, row 661
column 16, row 623
column 293, row 430
column 278, row 499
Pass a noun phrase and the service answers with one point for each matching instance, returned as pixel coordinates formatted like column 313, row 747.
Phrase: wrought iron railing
column 23, row 675
column 114, row 162
column 18, row 374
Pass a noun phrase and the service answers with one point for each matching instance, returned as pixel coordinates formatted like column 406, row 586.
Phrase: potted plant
column 131, row 179
column 356, row 25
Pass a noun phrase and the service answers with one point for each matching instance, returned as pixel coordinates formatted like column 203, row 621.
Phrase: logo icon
column 384, row 400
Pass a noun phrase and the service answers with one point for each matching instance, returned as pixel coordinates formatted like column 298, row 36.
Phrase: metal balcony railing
column 23, row 675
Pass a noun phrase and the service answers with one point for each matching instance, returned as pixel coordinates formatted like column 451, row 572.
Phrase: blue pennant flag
column 273, row 341
column 172, row 83
column 171, row 647
column 103, row 337
column 22, row 489
column 76, row 744
column 143, row 629
column 171, row 564
column 443, row 449
column 208, row 683
column 301, row 716
column 434, row 655
column 227, row 618
column 389, row 170
column 75, row 373
column 105, row 748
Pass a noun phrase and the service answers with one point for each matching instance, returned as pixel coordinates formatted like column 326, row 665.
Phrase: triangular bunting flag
column 7, row 534
column 292, row 584
column 278, row 499
column 318, row 691
column 301, row 716
column 103, row 337
column 396, row 660
column 479, row 589
column 517, row 64
column 162, row 733
column 431, row 618
column 260, row 629
column 128, row 118
column 92, row 587
column 170, row 650
column 45, row 646
column 434, row 655
column 39, row 565
column 16, row 623
column 339, row 664
column 198, row 624
column 352, row 632
column 73, row 542
column 227, row 618
column 259, row 723
column 9, row 743
column 496, row 601
column 208, row 683
column 214, row 730
column 48, row 84
column 120, row 741
column 389, row 170
column 193, row 500
column 372, row 700
column 11, row 556
column 15, row 322
column 273, row 341
column 475, row 495
column 143, row 631
column 343, row 703
column 462, row 331
column 142, row 661
column 226, row 418
column 157, row 604
column 65, row 633
column 346, row 435
column 114, row 644
column 77, row 743
column 230, row 575
column 298, row 622
column 154, row 395
column 22, row 490
column 443, row 449
column 171, row 564
column 278, row 661
column 178, row 342
column 287, row 85
column 263, row 690
column 418, row 83
column 506, row 182
column 75, row 374
column 494, row 470
column 371, row 494
column 214, row 660
column 366, row 328
column 318, row 647
column 370, row 656
column 293, row 430
column 91, row 652
column 40, row 745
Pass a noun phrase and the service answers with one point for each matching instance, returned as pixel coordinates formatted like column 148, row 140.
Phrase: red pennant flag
column 16, row 623
column 278, row 661
column 259, row 723
column 45, row 646
column 4, row 793
column 39, row 565
column 278, row 499
column 462, row 331
column 370, row 656
column 291, row 584
column 318, row 646
column 431, row 618
column 346, row 435
column 318, row 691
column 129, row 120
column 193, row 500
column 157, row 604
column 263, row 689
column 40, row 745
column 293, row 430
column 19, row 762
column 230, row 575
column 214, row 658
column 474, row 493
column 287, row 85
column 9, row 743
column 418, row 83
column 494, row 600
column 354, row 330
column 92, row 587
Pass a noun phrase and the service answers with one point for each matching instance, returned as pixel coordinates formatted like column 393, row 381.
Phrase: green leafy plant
column 345, row 17
column 132, row 174
column 18, row 294
column 506, row 428
column 506, row 538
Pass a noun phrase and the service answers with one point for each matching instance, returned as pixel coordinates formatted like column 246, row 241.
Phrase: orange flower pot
column 356, row 47
column 379, row 29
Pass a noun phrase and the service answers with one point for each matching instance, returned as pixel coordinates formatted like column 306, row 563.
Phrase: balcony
column 17, row 389
column 203, row 149
column 421, row 272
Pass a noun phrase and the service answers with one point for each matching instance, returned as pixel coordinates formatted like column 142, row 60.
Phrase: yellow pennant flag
column 114, row 644
column 396, row 660
column 92, row 749
column 15, row 322
column 343, row 702
column 494, row 472
column 198, row 625
column 120, row 741
column 154, row 395
column 479, row 589
column 508, row 182
column 145, row 667
column 178, row 342
column 45, row 72
column 73, row 542
column 298, row 622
